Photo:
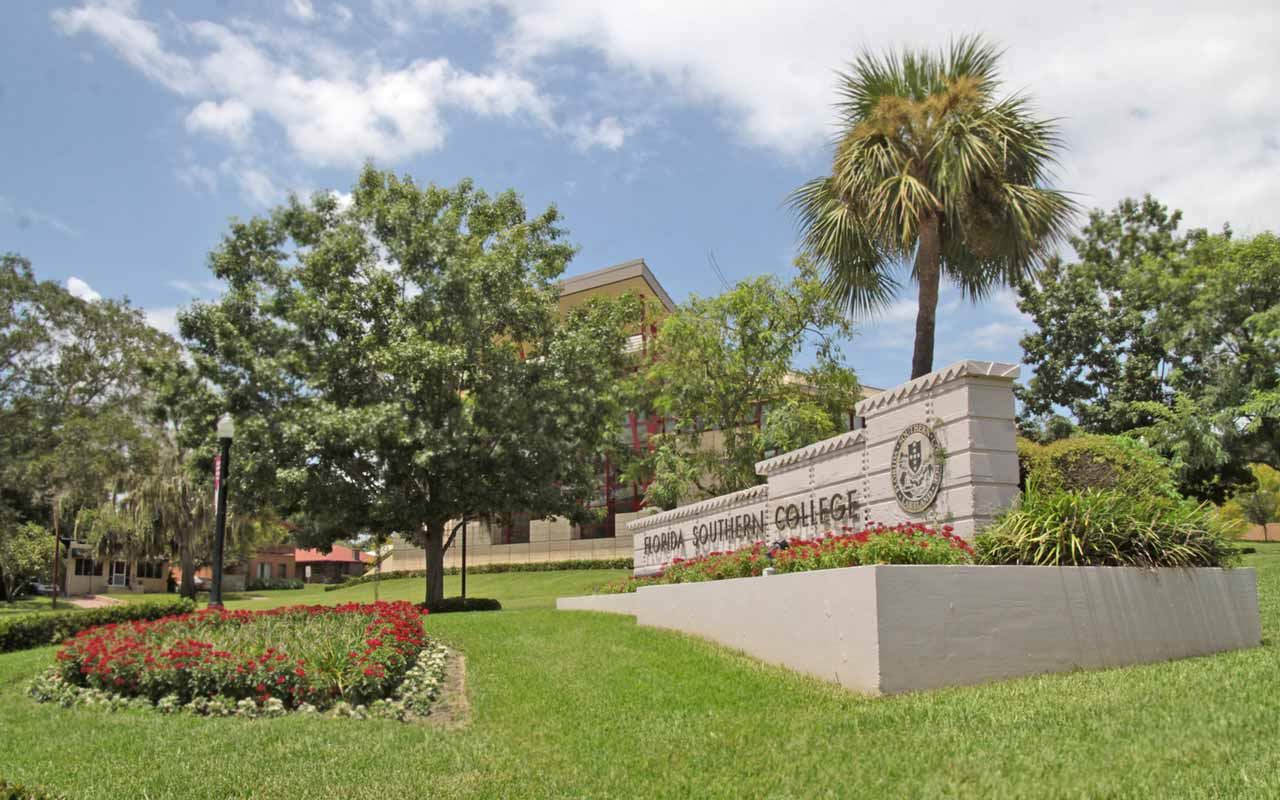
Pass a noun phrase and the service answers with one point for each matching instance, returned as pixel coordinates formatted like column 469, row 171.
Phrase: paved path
column 94, row 601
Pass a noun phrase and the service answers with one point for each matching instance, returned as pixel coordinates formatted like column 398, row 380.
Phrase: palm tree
column 931, row 164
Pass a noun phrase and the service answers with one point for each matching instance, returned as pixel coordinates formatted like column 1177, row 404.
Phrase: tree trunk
column 435, row 562
column 188, row 561
column 928, row 274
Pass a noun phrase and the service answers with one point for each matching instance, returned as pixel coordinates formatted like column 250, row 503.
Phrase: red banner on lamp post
column 217, row 477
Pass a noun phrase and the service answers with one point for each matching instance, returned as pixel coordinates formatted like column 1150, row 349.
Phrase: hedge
column 1080, row 463
column 483, row 569
column 452, row 604
column 16, row 791
column 23, row 631
column 269, row 584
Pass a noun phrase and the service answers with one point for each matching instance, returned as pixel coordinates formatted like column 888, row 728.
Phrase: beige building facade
column 83, row 572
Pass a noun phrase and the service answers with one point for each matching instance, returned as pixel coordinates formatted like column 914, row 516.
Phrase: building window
column 264, row 570
column 284, row 570
column 153, row 570
column 87, row 566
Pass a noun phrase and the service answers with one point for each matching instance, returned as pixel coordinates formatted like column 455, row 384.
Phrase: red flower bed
column 297, row 654
column 907, row 543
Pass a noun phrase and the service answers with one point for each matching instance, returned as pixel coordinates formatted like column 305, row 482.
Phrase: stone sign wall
column 938, row 449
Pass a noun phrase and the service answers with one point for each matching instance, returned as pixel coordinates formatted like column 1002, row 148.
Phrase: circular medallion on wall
column 916, row 467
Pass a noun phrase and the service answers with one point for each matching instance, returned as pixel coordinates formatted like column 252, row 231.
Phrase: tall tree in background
column 932, row 167
column 725, row 373
column 1174, row 337
column 399, row 363
column 73, row 397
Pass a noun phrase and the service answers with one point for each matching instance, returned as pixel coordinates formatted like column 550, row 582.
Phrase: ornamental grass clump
column 1106, row 528
column 287, row 658
column 907, row 543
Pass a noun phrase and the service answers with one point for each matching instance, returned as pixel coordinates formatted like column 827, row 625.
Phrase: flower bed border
column 413, row 699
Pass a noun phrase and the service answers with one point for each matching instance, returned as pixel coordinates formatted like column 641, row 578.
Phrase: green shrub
column 451, row 604
column 484, row 569
column 16, row 791
column 1095, row 462
column 1106, row 527
column 269, row 584
column 22, row 631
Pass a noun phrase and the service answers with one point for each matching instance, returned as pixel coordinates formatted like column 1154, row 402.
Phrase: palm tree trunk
column 928, row 274
column 435, row 562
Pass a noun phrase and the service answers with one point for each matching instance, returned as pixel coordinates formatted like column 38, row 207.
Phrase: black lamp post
column 226, row 431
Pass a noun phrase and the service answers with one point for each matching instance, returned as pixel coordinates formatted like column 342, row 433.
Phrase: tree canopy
column 725, row 373
column 399, row 363
column 932, row 167
column 1171, row 336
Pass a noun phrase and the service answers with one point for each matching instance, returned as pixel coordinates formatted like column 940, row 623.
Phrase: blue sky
column 130, row 132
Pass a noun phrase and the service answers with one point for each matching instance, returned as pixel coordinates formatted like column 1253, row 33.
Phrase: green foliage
column 452, row 604
column 1257, row 505
column 73, row 396
column 487, row 569
column 21, row 631
column 724, row 374
column 1095, row 462
column 26, row 555
column 1171, row 336
column 1106, row 528
column 400, row 363
column 932, row 165
column 270, row 584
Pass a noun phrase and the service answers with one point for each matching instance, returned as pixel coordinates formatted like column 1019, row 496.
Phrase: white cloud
column 82, row 290
column 197, row 289
column 197, row 177
column 133, row 39
column 1170, row 99
column 300, row 10
column 165, row 319
column 232, row 120
column 607, row 133
column 256, row 186
column 335, row 107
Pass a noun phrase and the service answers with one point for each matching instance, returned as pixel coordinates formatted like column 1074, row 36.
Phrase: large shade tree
column 932, row 168
column 399, row 363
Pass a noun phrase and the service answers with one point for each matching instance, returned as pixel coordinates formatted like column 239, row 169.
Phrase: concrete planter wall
column 888, row 629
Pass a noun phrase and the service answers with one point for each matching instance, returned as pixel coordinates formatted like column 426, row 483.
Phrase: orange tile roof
column 339, row 554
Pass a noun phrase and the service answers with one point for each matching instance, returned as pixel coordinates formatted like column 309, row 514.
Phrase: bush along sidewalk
column 485, row 569
column 908, row 543
column 23, row 631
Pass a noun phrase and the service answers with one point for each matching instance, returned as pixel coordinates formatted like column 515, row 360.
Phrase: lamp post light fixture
column 221, row 471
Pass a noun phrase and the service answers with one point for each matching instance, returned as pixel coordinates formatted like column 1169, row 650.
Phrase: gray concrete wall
column 942, row 626
column 889, row 629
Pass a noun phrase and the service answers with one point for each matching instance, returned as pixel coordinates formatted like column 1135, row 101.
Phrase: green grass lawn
column 571, row 704
column 26, row 605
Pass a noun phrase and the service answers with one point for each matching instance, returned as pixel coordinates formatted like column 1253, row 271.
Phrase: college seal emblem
column 916, row 467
